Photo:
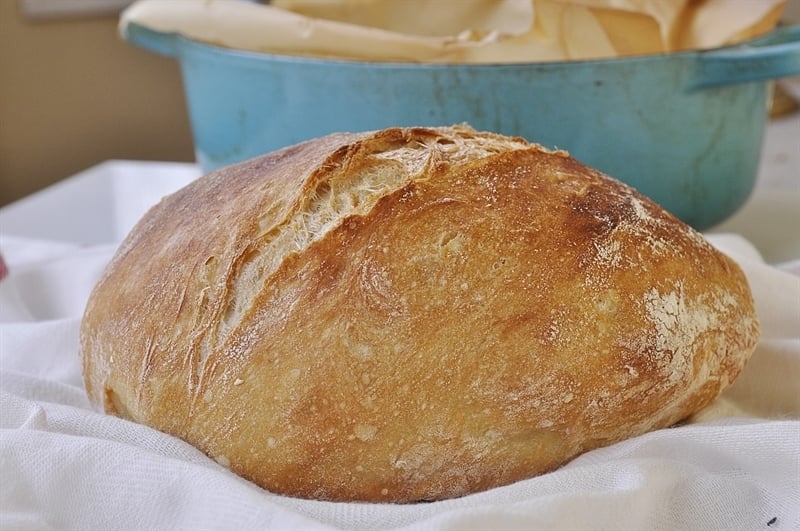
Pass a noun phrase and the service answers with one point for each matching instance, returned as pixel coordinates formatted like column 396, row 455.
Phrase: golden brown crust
column 411, row 314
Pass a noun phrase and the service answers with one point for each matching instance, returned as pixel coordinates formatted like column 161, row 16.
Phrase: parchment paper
column 461, row 31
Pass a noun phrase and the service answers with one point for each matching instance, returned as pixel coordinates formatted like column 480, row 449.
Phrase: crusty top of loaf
column 411, row 314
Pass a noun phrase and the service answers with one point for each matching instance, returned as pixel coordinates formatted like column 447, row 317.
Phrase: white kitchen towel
column 735, row 466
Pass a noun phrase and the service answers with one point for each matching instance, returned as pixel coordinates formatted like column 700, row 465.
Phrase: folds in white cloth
column 733, row 466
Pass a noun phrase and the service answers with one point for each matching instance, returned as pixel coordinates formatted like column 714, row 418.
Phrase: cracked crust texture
column 411, row 314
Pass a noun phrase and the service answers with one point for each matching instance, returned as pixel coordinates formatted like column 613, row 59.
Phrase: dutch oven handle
column 155, row 41
column 770, row 57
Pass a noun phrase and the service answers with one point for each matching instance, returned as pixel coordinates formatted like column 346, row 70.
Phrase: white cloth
column 64, row 466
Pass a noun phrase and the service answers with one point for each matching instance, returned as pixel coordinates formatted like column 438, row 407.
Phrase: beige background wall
column 73, row 94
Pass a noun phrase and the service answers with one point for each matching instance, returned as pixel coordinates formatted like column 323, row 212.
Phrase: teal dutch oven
column 683, row 128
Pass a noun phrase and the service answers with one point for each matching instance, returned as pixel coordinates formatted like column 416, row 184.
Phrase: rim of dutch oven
column 198, row 45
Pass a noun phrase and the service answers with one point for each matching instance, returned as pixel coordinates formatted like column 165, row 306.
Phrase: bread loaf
column 411, row 314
